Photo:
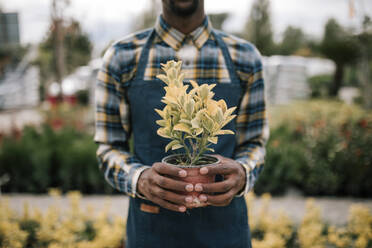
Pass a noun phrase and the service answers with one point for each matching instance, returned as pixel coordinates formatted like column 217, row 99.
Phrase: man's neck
column 184, row 24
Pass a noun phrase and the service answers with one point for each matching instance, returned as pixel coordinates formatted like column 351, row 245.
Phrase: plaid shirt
column 202, row 61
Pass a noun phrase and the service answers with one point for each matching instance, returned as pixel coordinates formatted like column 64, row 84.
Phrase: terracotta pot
column 193, row 176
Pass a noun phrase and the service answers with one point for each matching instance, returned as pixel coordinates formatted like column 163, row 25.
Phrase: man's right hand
column 159, row 184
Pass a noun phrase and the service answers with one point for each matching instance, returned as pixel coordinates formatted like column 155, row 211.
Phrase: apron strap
column 228, row 60
column 144, row 57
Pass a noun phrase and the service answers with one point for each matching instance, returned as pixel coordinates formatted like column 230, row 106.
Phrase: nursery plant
column 192, row 120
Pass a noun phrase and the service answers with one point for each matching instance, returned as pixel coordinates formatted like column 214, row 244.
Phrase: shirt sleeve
column 121, row 169
column 252, row 125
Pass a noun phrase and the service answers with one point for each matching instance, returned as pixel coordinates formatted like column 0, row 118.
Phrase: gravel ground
column 334, row 210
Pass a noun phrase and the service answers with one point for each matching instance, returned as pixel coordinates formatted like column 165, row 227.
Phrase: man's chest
column 203, row 65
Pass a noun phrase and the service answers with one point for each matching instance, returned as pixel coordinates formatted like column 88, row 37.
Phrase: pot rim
column 189, row 166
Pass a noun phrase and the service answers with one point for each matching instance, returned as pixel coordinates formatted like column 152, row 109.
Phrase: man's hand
column 159, row 184
column 234, row 181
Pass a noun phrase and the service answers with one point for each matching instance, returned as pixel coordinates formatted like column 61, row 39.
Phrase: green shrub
column 321, row 148
column 284, row 164
column 320, row 85
column 45, row 158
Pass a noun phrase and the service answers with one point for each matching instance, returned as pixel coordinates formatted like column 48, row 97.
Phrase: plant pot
column 193, row 175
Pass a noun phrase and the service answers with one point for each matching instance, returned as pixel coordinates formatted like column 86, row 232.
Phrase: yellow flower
column 339, row 237
column 311, row 228
column 360, row 225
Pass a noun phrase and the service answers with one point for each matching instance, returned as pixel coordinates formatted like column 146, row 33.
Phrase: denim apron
column 199, row 227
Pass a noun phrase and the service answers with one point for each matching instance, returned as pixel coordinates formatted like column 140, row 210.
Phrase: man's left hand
column 234, row 180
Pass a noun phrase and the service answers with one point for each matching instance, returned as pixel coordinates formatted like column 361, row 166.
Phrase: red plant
column 363, row 123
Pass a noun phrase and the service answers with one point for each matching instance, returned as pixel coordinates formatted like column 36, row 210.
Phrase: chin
column 184, row 7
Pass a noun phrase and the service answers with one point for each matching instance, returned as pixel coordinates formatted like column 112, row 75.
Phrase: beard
column 184, row 11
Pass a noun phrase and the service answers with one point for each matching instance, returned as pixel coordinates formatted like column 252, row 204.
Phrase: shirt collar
column 175, row 38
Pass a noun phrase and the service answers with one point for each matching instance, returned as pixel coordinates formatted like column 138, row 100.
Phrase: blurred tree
column 10, row 56
column 341, row 47
column 77, row 51
column 57, row 13
column 218, row 19
column 293, row 40
column 365, row 64
column 315, row 47
column 258, row 28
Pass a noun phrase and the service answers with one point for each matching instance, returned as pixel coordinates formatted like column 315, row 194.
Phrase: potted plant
column 192, row 120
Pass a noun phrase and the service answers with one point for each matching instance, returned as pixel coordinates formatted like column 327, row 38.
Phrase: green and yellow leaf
column 230, row 118
column 171, row 144
column 178, row 146
column 161, row 123
column 182, row 127
column 187, row 122
column 163, row 78
column 222, row 105
column 222, row 132
column 194, row 84
column 161, row 113
column 195, row 123
column 198, row 131
column 161, row 132
column 229, row 111
column 213, row 140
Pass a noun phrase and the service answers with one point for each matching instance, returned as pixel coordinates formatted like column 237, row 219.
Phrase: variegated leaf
column 195, row 123
column 163, row 78
column 171, row 144
column 222, row 132
column 194, row 84
column 161, row 123
column 222, row 105
column 178, row 146
column 229, row 111
column 161, row 132
column 213, row 140
column 160, row 112
column 228, row 120
column 198, row 131
column 182, row 127
column 210, row 149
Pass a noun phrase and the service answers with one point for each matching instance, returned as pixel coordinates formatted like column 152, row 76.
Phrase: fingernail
column 203, row 198
column 182, row 209
column 203, row 171
column 188, row 199
column 198, row 187
column 182, row 173
column 189, row 187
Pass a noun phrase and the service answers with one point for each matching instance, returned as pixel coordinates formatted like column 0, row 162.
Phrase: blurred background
column 317, row 59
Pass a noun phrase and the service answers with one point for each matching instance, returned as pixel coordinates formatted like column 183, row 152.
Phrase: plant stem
column 201, row 151
column 194, row 147
column 186, row 148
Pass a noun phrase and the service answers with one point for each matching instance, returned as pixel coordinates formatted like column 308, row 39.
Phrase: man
column 127, row 93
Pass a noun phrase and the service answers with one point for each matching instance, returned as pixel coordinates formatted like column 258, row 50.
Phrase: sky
column 107, row 20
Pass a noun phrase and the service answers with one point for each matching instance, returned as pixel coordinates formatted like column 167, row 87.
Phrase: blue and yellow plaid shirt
column 203, row 62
